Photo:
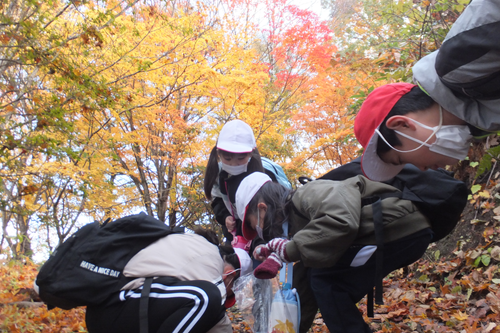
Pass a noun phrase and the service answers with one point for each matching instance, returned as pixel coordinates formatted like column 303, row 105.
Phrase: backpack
column 439, row 196
column 275, row 171
column 88, row 267
column 468, row 61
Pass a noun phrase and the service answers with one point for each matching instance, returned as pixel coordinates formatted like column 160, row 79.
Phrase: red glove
column 269, row 268
column 276, row 254
column 276, row 245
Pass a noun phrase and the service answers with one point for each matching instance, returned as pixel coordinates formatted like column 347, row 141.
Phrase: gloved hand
column 275, row 253
column 269, row 268
column 276, row 245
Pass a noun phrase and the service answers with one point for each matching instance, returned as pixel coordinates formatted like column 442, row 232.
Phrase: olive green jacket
column 329, row 217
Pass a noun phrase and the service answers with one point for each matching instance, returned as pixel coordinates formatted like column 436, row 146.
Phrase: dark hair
column 276, row 197
column 208, row 234
column 212, row 170
column 415, row 100
column 229, row 256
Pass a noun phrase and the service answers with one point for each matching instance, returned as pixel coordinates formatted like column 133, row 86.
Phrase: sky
column 312, row 5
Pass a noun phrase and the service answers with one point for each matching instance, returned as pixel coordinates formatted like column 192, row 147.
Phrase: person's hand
column 230, row 223
column 276, row 245
column 261, row 252
column 269, row 268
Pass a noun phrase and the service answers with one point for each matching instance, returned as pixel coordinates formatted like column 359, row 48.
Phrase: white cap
column 245, row 261
column 236, row 137
column 250, row 185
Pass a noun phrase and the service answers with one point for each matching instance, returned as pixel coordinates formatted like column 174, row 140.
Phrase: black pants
column 337, row 289
column 174, row 306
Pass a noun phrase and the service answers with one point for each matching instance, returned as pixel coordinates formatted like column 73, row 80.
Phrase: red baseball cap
column 372, row 113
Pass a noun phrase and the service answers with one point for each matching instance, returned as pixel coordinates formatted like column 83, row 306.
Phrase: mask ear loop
column 422, row 143
column 231, row 272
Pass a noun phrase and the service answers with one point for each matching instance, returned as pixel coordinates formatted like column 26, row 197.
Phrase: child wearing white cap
column 233, row 158
column 331, row 238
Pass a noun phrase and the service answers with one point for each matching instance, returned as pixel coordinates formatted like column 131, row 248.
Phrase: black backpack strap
column 379, row 236
column 297, row 212
column 143, row 305
column 378, row 221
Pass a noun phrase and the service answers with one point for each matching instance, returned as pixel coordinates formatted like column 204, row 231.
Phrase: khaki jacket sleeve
column 333, row 209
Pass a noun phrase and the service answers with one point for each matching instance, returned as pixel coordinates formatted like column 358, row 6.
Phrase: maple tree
column 296, row 47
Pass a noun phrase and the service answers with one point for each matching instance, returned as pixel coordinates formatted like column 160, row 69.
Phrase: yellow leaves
column 460, row 316
column 283, row 327
column 29, row 189
column 484, row 194
column 9, row 108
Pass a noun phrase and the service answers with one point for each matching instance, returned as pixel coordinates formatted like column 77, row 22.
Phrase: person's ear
column 262, row 205
column 399, row 123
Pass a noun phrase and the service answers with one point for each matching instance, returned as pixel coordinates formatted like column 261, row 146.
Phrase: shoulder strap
column 143, row 305
column 379, row 257
column 286, row 272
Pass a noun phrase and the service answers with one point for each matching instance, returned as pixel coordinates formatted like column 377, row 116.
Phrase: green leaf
column 475, row 188
column 469, row 293
column 477, row 261
column 473, row 164
column 423, row 278
column 485, row 259
column 437, row 254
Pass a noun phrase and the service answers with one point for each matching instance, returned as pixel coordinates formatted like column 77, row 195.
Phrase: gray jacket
column 484, row 114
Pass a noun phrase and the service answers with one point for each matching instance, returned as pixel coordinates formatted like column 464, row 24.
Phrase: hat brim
column 230, row 301
column 372, row 165
column 248, row 232
column 235, row 148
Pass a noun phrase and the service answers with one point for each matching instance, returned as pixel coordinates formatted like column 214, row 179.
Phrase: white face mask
column 235, row 170
column 259, row 230
column 451, row 140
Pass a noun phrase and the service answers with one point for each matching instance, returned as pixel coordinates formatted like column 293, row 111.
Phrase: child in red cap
column 430, row 125
column 399, row 123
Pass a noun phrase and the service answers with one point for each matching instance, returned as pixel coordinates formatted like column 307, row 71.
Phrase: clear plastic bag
column 265, row 306
column 254, row 298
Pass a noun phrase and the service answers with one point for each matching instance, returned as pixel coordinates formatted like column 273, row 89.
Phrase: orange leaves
column 4, row 38
column 21, row 311
column 29, row 189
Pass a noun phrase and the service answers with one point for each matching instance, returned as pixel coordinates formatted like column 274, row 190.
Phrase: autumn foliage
column 19, row 309
column 111, row 107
